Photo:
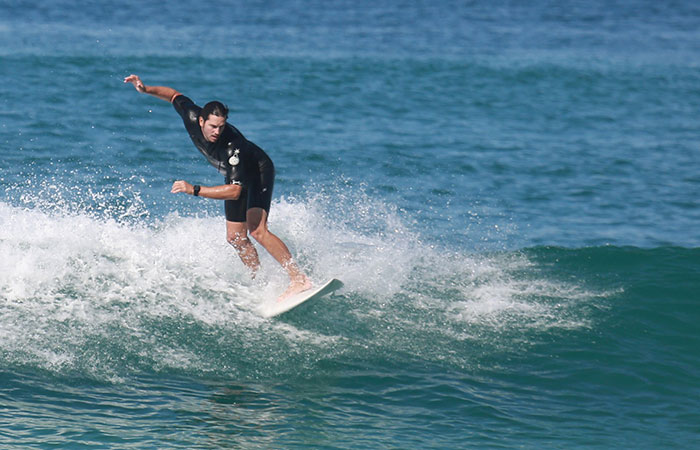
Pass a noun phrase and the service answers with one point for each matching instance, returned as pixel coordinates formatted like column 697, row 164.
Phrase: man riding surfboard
column 249, row 178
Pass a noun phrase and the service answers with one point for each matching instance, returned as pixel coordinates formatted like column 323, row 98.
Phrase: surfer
column 249, row 177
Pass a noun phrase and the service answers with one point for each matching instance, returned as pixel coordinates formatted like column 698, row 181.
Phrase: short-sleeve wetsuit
column 239, row 160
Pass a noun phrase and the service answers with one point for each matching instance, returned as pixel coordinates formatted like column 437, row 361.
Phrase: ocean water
column 509, row 190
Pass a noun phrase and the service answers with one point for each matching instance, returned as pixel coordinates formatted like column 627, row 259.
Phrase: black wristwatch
column 196, row 190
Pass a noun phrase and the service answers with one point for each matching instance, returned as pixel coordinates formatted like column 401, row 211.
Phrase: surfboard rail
column 275, row 308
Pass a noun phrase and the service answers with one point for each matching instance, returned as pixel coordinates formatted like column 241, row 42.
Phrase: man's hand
column 162, row 92
column 136, row 81
column 182, row 186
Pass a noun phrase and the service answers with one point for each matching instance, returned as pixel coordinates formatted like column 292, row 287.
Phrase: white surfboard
column 274, row 308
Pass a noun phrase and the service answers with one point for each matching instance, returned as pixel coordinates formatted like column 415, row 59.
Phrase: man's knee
column 258, row 233
column 238, row 240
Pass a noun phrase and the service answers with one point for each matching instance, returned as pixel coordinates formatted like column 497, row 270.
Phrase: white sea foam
column 99, row 294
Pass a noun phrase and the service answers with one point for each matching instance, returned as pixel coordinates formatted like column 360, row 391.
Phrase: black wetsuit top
column 238, row 159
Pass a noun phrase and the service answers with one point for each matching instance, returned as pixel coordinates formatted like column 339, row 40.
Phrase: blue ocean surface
column 508, row 190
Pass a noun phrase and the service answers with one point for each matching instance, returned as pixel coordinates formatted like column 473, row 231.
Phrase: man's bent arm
column 222, row 192
column 162, row 92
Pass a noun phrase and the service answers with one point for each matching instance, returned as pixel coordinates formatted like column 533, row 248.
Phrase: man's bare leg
column 237, row 236
column 257, row 224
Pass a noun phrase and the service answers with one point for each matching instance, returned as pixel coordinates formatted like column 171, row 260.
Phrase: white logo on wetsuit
column 234, row 160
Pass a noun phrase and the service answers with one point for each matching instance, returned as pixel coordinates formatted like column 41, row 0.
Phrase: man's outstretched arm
column 162, row 92
column 223, row 192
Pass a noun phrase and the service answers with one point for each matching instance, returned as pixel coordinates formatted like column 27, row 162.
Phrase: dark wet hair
column 216, row 108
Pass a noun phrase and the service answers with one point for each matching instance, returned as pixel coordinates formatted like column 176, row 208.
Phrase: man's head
column 212, row 120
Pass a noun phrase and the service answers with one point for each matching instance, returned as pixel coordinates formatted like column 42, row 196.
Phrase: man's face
column 212, row 127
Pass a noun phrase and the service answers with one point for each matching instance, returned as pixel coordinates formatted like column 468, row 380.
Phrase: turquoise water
column 509, row 192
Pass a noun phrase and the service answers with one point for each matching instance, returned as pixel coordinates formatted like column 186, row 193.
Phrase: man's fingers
column 179, row 186
column 136, row 81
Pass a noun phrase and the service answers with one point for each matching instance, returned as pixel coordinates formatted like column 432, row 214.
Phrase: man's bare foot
column 298, row 285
